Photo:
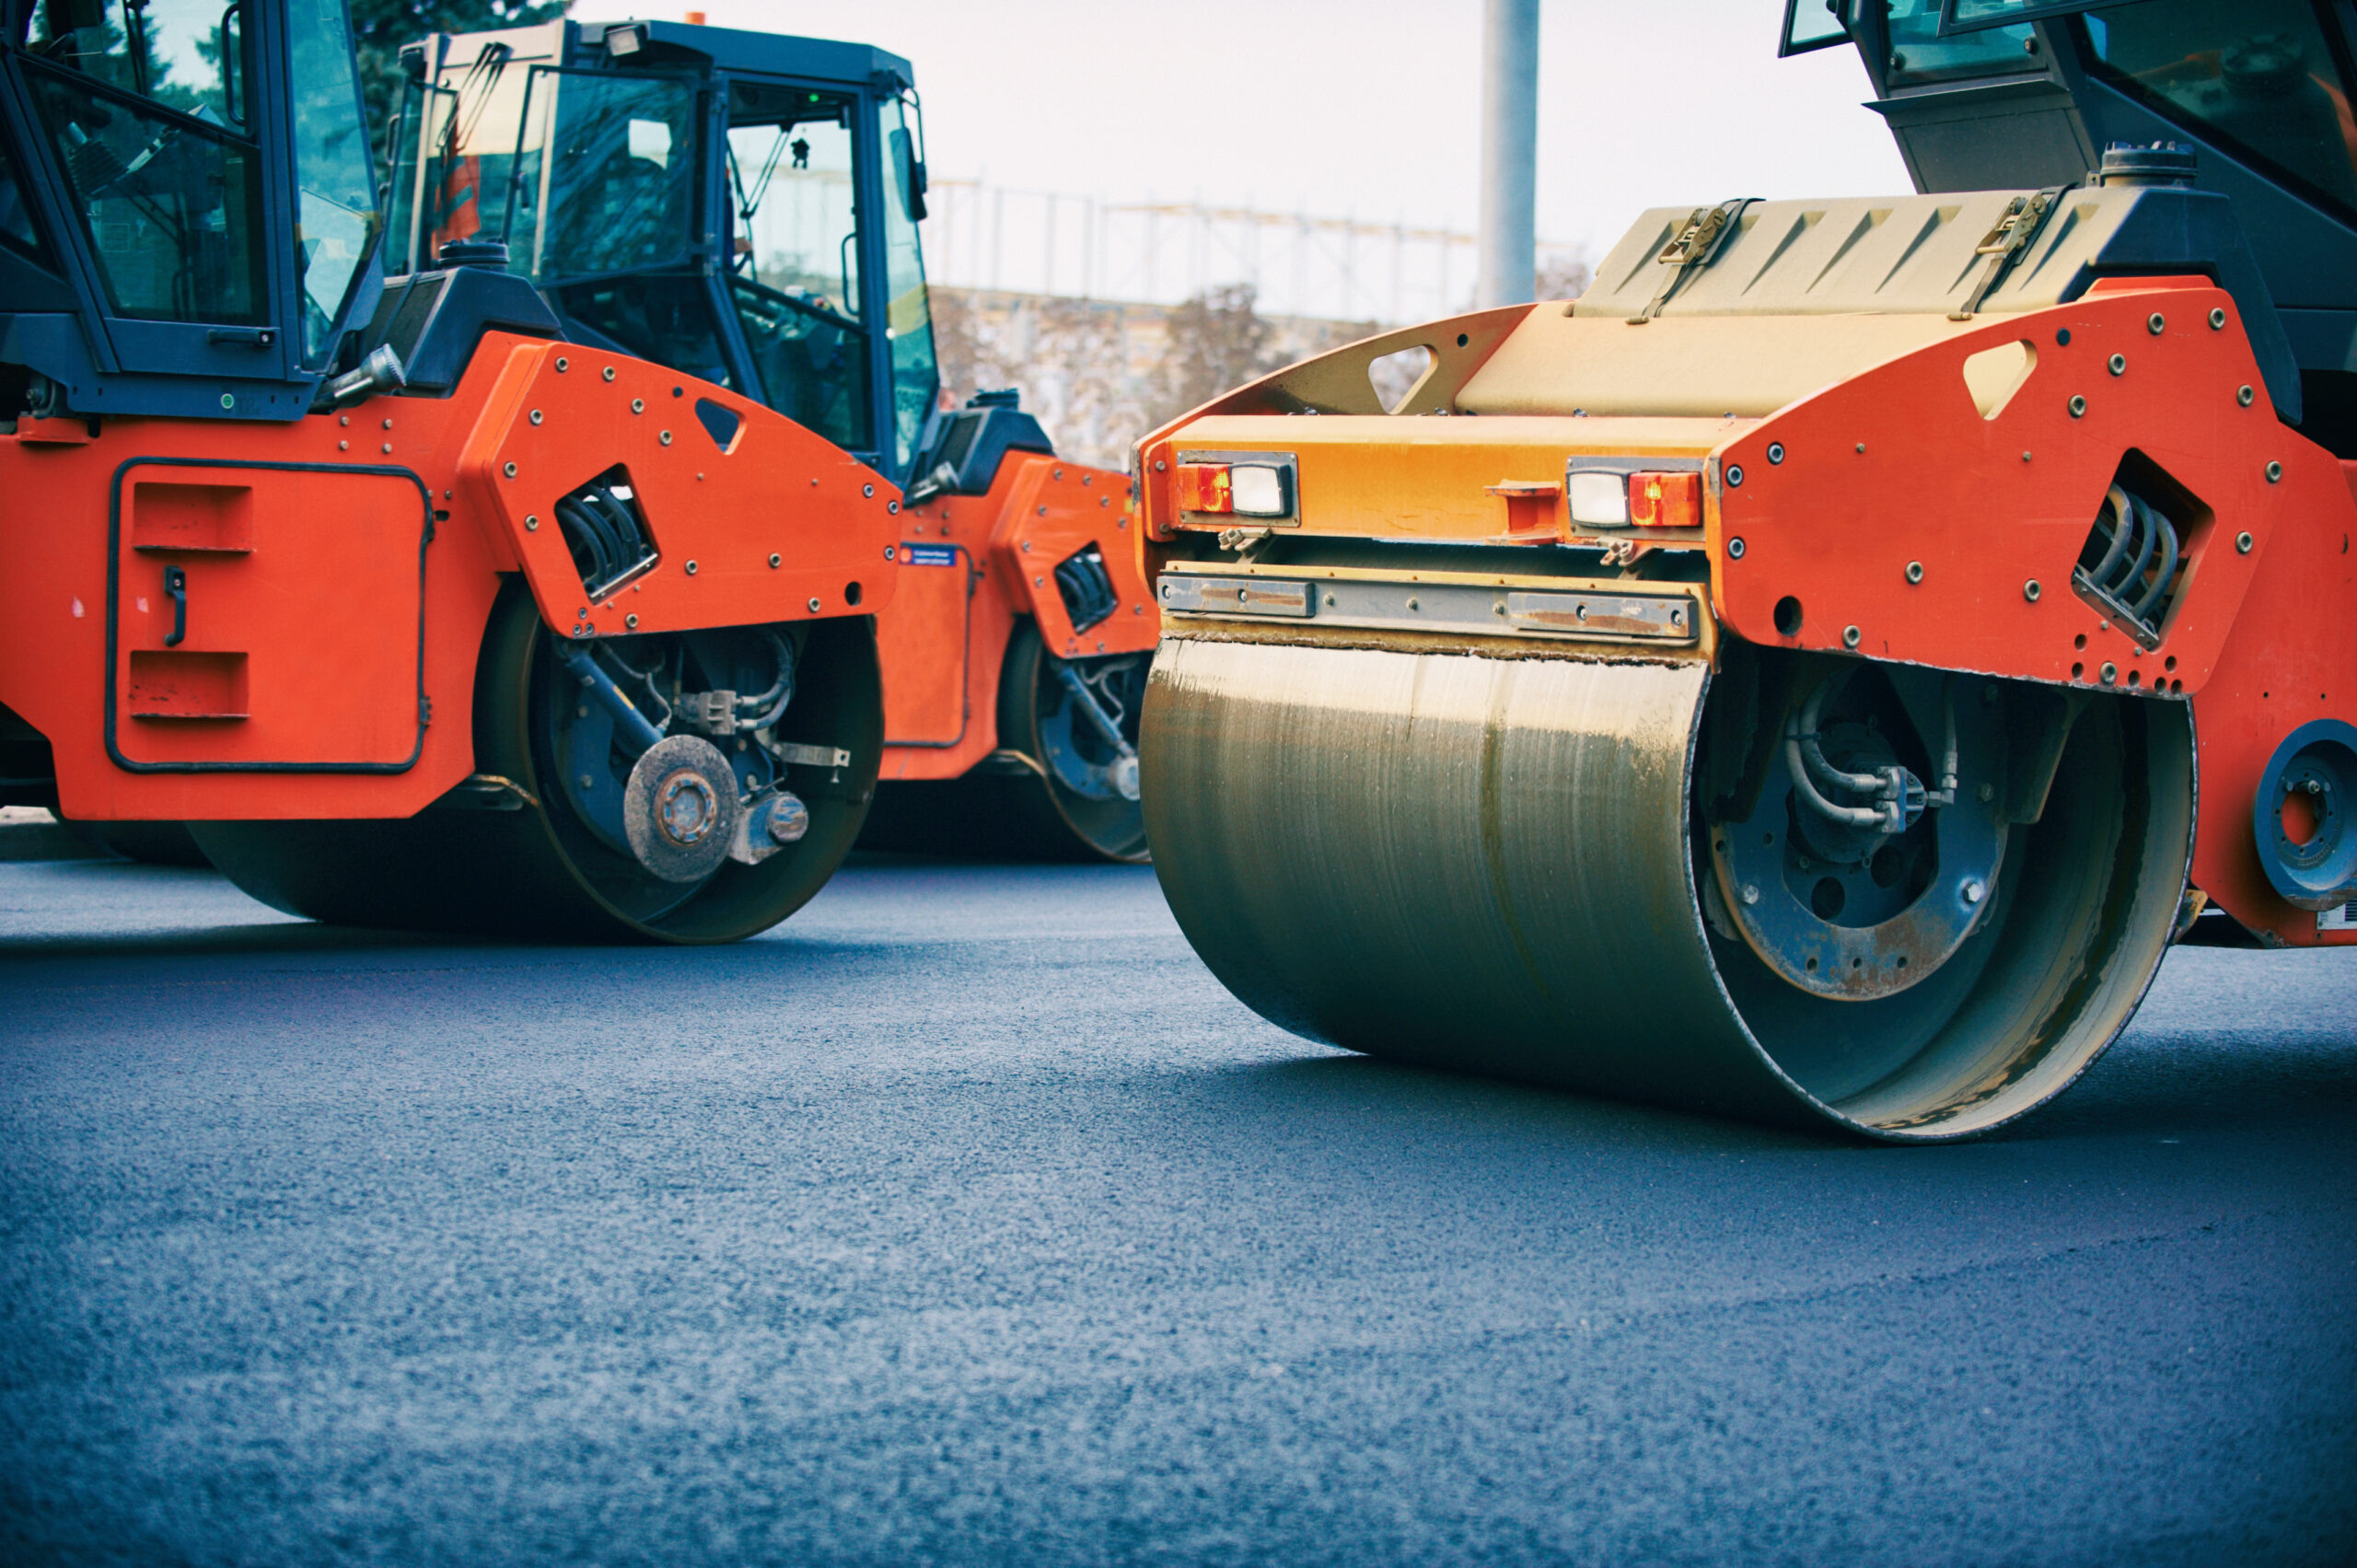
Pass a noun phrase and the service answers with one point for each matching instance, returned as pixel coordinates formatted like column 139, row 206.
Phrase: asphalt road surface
column 965, row 1219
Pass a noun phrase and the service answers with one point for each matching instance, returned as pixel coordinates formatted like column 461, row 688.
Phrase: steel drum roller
column 1489, row 863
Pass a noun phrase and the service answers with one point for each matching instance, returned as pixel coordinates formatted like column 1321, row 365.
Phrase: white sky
column 1367, row 108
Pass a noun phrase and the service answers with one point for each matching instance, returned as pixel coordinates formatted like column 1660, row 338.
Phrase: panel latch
column 2023, row 218
column 1691, row 248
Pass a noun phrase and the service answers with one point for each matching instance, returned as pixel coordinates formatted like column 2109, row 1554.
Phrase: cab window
column 2259, row 76
column 143, row 104
column 604, row 174
column 335, row 175
column 794, row 255
column 1919, row 54
column 916, row 381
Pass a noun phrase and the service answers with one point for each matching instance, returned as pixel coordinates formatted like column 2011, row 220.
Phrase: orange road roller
column 1816, row 675
column 744, row 207
column 418, row 614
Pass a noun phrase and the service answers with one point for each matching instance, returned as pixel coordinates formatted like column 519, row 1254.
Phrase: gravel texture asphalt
column 966, row 1219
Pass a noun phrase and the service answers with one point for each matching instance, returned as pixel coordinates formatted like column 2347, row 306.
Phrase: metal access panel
column 266, row 617
column 924, row 629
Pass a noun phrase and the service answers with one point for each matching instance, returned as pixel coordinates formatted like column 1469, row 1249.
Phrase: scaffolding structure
column 1043, row 242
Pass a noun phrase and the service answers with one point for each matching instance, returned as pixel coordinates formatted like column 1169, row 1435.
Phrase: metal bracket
column 795, row 753
column 486, row 792
column 2024, row 216
column 1692, row 248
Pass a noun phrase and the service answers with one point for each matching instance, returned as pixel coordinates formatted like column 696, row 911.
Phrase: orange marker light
column 1203, row 487
column 1665, row 500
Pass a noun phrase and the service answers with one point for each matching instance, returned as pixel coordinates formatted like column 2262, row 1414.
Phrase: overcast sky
column 1362, row 108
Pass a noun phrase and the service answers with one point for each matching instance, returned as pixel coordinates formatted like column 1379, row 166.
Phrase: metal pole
column 1509, row 153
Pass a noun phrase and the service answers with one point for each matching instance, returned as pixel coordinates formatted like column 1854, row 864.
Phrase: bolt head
column 1914, row 571
column 2243, row 543
column 2156, row 323
column 2217, row 319
column 1752, row 892
column 1735, row 549
column 1775, row 452
column 1974, row 892
column 2245, row 396
column 2030, row 590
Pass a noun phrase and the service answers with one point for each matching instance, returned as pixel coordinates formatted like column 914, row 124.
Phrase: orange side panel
column 921, row 641
column 2292, row 657
column 1897, row 465
column 1900, row 465
column 269, row 670
column 1082, row 506
column 327, row 667
column 1055, row 510
column 802, row 527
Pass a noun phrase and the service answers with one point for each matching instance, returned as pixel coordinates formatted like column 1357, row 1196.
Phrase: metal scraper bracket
column 1587, row 613
column 2024, row 215
column 1691, row 248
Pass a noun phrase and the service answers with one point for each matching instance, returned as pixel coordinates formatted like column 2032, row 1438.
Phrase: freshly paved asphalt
column 966, row 1219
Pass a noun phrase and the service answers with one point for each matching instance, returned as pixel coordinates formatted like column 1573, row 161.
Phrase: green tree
column 379, row 28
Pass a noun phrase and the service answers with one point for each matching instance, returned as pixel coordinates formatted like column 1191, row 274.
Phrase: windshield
column 143, row 108
column 1919, row 54
column 453, row 151
column 793, row 254
column 2258, row 75
column 916, row 381
column 335, row 181
column 604, row 174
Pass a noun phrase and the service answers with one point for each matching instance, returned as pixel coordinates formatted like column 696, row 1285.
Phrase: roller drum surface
column 1489, row 863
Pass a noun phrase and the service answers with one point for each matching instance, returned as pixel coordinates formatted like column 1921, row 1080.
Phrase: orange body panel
column 1835, row 526
column 339, row 571
column 2262, row 641
column 1037, row 512
column 561, row 415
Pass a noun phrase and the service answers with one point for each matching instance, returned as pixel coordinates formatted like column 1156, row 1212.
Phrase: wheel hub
column 680, row 809
column 1842, row 907
column 685, row 808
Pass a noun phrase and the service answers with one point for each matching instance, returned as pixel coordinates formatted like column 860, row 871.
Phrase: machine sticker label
column 2342, row 919
column 929, row 555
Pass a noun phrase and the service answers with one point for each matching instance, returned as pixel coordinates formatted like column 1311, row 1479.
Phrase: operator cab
column 739, row 205
column 179, row 233
column 2021, row 94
